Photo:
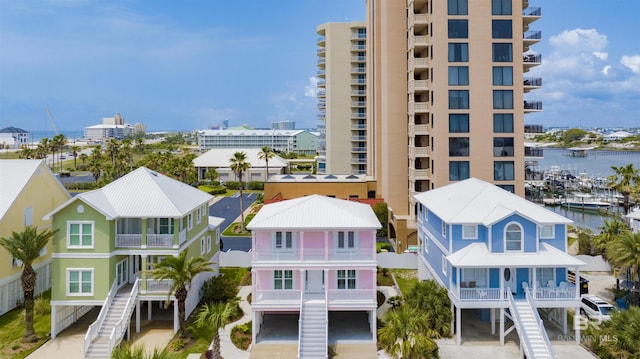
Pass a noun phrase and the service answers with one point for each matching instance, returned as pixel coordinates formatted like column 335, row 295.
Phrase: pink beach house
column 315, row 256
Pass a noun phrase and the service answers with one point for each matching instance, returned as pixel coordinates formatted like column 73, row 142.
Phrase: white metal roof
column 143, row 193
column 475, row 201
column 14, row 176
column 219, row 158
column 477, row 255
column 634, row 214
column 315, row 212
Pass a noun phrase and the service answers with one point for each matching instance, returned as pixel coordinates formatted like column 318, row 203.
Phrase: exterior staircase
column 120, row 305
column 312, row 342
column 533, row 336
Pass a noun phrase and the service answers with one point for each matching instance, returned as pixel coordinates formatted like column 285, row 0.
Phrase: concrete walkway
column 227, row 348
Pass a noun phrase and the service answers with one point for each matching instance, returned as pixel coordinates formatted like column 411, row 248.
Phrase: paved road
column 229, row 209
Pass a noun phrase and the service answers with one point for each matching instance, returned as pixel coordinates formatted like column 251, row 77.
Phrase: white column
column 149, row 308
column 326, row 245
column 564, row 321
column 302, row 280
column 534, row 283
column 253, row 246
column 53, row 322
column 453, row 320
column 301, row 246
column 254, row 327
column 137, row 316
column 502, row 286
column 492, row 315
column 372, row 325
column 501, row 326
column 458, row 326
column 576, row 323
column 176, row 325
column 458, row 278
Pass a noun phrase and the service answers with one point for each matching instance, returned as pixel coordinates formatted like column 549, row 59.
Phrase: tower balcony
column 419, row 152
column 531, row 38
column 531, row 60
column 418, row 107
column 531, row 83
column 532, row 106
column 418, row 85
column 530, row 14
column 418, row 41
column 418, row 130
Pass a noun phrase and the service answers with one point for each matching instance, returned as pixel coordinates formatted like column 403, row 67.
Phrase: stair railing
column 118, row 330
column 545, row 337
column 300, row 323
column 94, row 328
column 326, row 321
column 517, row 321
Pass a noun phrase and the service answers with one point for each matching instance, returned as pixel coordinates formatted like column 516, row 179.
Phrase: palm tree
column 626, row 180
column 75, row 150
column 608, row 233
column 406, row 334
column 58, row 143
column 43, row 148
column 215, row 315
column 95, row 163
column 619, row 336
column 211, row 174
column 125, row 351
column 433, row 301
column 266, row 153
column 26, row 246
column 181, row 271
column 83, row 157
column 113, row 148
column 624, row 252
column 238, row 165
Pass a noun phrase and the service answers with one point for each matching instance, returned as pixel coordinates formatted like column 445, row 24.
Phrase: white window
column 165, row 225
column 426, row 244
column 28, row 216
column 346, row 241
column 346, row 279
column 203, row 245
column 198, row 215
column 444, row 230
column 474, row 277
column 190, row 221
column 121, row 272
column 204, row 210
column 444, row 265
column 547, row 231
column 544, row 276
column 283, row 279
column 80, row 234
column 283, row 241
column 80, row 282
column 208, row 244
column 513, row 237
column 469, row 231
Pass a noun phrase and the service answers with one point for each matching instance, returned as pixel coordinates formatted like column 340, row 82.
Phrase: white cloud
column 601, row 55
column 632, row 62
column 310, row 90
column 606, row 69
column 579, row 40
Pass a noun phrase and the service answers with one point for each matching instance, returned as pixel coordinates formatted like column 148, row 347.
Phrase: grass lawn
column 406, row 278
column 242, row 276
column 12, row 329
column 384, row 280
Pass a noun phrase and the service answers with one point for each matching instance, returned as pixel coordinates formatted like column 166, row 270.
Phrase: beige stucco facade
column 342, row 98
column 38, row 194
column 412, row 49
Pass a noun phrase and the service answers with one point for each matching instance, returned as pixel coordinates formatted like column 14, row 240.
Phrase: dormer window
column 444, row 230
column 469, row 231
column 547, row 231
column 513, row 237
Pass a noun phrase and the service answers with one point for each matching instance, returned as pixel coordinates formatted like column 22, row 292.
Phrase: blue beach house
column 501, row 256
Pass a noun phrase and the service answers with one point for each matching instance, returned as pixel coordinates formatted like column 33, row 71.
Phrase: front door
column 509, row 279
column 122, row 272
column 314, row 281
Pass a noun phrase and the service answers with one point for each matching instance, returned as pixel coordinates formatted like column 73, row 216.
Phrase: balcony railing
column 533, row 105
column 160, row 240
column 532, row 35
column 128, row 240
column 158, row 286
column 277, row 295
column 532, row 59
column 532, row 81
column 297, row 254
column 351, row 295
column 480, row 294
column 533, row 152
column 567, row 292
column 532, row 11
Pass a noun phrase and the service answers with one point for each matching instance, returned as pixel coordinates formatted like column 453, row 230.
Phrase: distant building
column 13, row 137
column 283, row 125
column 298, row 141
column 616, row 136
column 219, row 160
column 112, row 127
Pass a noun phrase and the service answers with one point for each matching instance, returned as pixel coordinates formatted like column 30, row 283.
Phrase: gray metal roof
column 315, row 212
column 475, row 201
column 143, row 193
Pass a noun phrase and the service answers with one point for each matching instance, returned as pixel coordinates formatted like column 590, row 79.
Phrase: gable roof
column 12, row 130
column 315, row 212
column 14, row 176
column 476, row 201
column 142, row 193
column 219, row 158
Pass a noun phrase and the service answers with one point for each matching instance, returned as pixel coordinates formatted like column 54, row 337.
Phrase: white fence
column 594, row 264
column 385, row 260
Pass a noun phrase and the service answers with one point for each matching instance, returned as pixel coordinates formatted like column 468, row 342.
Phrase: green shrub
column 234, row 185
column 219, row 289
column 241, row 335
column 80, row 186
column 256, row 185
column 218, row 190
column 383, row 245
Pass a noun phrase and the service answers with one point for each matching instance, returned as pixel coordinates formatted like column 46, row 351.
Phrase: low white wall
column 385, row 260
column 594, row 263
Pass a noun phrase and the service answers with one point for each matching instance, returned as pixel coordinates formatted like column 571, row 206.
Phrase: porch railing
column 278, row 295
column 158, row 286
column 567, row 292
column 350, row 294
column 160, row 240
column 129, row 240
column 480, row 294
column 299, row 254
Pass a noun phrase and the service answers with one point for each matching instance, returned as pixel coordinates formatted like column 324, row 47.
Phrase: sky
column 192, row 64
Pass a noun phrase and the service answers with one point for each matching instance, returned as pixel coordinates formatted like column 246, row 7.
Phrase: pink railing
column 298, row 254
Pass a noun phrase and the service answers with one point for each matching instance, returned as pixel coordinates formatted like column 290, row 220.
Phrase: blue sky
column 190, row 64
